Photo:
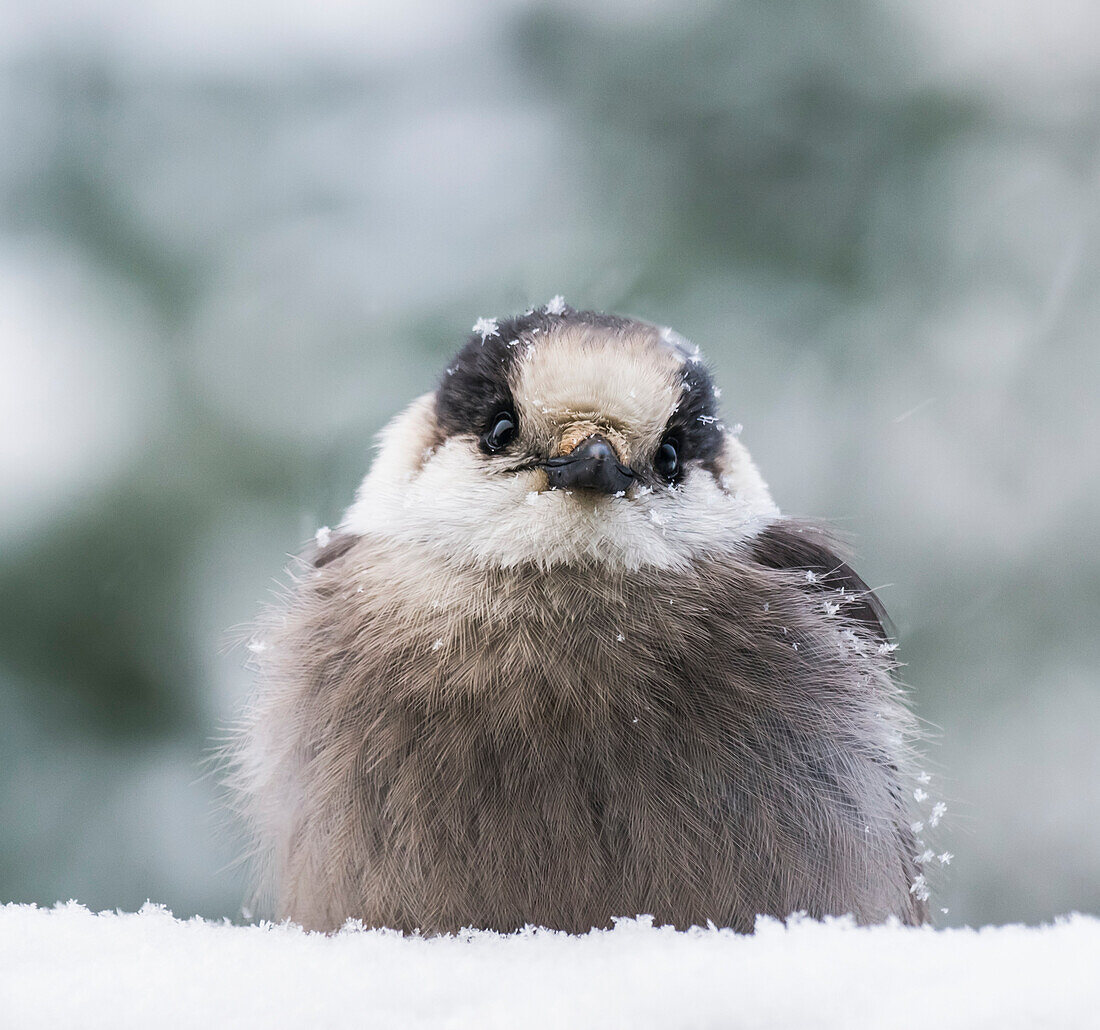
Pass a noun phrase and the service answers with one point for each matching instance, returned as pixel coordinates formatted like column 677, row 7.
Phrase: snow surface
column 67, row 966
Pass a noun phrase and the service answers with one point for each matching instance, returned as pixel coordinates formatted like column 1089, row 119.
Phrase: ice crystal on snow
column 486, row 327
column 556, row 305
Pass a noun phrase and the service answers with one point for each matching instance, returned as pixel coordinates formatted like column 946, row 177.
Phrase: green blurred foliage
column 888, row 266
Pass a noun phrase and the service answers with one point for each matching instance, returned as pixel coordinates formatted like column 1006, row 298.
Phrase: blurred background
column 236, row 238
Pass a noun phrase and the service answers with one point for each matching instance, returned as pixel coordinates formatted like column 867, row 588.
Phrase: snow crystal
column 486, row 327
column 257, row 646
column 323, row 536
column 939, row 810
column 925, row 856
column 69, row 967
column 619, row 637
column 889, row 648
column 917, row 826
column 919, row 888
column 707, row 420
column 811, row 576
column 556, row 305
column 924, row 777
column 830, row 608
column 438, row 644
column 920, row 796
column 945, row 858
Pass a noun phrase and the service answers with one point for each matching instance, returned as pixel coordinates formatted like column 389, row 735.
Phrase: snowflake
column 917, row 826
column 620, row 638
column 925, row 856
column 920, row 796
column 811, row 576
column 919, row 887
column 323, row 536
column 707, row 420
column 887, row 649
column 257, row 646
column 939, row 810
column 924, row 777
column 486, row 327
column 830, row 608
column 438, row 644
column 945, row 858
column 556, row 305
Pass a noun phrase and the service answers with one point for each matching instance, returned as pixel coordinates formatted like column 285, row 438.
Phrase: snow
column 556, row 306
column 69, row 967
column 486, row 327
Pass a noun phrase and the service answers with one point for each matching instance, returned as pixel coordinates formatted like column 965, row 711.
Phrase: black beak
column 591, row 465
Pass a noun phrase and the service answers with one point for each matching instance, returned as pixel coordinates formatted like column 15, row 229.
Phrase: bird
column 564, row 661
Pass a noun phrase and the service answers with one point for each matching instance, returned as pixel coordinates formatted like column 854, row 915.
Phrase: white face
column 498, row 508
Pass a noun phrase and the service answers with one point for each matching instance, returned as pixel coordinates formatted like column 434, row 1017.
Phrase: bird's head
column 565, row 437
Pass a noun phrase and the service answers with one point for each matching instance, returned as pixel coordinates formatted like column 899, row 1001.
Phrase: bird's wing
column 796, row 545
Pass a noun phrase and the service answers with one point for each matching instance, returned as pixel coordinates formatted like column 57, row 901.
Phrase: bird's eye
column 667, row 461
column 502, row 432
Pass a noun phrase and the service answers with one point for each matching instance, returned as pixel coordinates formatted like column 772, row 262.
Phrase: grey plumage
column 441, row 742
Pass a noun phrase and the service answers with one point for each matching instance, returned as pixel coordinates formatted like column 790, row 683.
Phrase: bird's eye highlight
column 667, row 462
column 502, row 431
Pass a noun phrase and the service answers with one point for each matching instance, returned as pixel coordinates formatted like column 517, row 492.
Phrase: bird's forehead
column 630, row 376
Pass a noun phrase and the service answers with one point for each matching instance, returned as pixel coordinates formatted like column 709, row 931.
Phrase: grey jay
column 564, row 660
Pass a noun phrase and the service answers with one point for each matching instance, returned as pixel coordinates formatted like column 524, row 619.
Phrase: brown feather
column 440, row 745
